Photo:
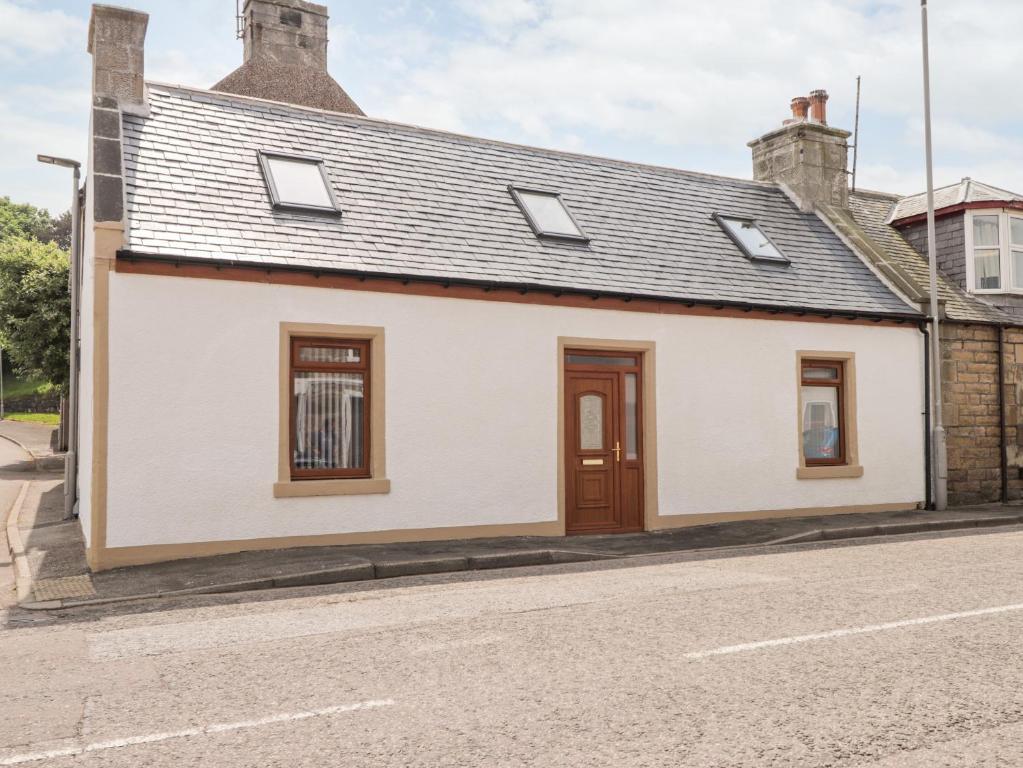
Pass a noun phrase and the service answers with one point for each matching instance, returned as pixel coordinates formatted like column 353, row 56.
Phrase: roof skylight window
column 750, row 238
column 298, row 183
column 547, row 214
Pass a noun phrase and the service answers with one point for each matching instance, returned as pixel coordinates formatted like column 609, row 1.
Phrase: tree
column 35, row 308
column 22, row 220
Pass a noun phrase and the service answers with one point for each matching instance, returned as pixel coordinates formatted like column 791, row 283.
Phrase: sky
column 682, row 83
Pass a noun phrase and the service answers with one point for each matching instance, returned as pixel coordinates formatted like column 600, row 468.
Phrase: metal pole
column 1, row 382
column 939, row 447
column 70, row 460
column 856, row 134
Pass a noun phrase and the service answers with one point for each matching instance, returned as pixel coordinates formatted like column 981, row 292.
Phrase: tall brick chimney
column 806, row 155
column 286, row 57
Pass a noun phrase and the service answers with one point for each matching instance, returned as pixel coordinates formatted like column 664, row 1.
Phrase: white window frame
column 1004, row 250
column 1009, row 216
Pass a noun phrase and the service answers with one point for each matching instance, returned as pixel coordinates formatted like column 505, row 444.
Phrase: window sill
column 820, row 473
column 342, row 487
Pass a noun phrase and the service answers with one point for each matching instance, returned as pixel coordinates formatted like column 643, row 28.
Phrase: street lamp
column 74, row 283
column 938, row 428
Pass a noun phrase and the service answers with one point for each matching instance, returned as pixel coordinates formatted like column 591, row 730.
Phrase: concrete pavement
column 900, row 652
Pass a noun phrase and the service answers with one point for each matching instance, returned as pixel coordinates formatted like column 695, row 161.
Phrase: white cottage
column 304, row 326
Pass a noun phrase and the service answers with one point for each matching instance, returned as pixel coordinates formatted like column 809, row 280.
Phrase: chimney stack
column 806, row 155
column 290, row 33
column 117, row 39
column 286, row 57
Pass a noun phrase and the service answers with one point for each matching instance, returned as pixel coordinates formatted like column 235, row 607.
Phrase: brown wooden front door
column 603, row 442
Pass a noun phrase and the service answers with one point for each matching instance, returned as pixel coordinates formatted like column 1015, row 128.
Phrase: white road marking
column 150, row 738
column 743, row 647
column 414, row 606
column 457, row 644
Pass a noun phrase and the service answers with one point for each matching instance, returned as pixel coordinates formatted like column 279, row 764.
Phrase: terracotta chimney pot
column 818, row 106
column 800, row 107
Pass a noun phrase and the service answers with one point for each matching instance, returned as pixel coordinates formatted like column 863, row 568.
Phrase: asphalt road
column 894, row 653
column 11, row 457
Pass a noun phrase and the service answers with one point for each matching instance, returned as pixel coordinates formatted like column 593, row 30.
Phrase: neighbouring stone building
column 984, row 438
column 979, row 244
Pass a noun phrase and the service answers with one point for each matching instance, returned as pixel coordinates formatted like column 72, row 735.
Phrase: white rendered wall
column 471, row 405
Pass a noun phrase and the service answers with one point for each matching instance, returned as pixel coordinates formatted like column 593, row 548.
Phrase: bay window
column 994, row 249
column 987, row 252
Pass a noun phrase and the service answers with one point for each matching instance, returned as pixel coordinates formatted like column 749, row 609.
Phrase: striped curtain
column 329, row 420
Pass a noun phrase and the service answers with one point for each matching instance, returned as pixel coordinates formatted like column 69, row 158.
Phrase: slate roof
column 871, row 211
column 966, row 191
column 427, row 203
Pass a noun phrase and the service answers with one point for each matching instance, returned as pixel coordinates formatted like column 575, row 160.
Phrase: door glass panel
column 591, row 422
column 631, row 418
column 598, row 360
column 821, row 438
column 329, row 420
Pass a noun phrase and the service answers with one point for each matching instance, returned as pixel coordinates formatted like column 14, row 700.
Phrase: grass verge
column 53, row 419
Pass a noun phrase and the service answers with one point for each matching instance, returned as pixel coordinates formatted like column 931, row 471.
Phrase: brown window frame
column 362, row 367
column 839, row 384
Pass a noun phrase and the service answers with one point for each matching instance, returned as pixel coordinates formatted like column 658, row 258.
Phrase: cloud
column 502, row 13
column 34, row 32
column 706, row 77
column 183, row 67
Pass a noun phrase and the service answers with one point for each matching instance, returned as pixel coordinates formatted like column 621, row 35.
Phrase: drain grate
column 57, row 589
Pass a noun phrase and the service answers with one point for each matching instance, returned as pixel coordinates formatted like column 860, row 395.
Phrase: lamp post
column 938, row 433
column 74, row 280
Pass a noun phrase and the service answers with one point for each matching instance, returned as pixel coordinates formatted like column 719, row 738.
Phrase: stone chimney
column 117, row 43
column 286, row 57
column 806, row 155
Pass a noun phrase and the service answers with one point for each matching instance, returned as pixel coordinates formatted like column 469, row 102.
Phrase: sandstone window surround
column 357, row 352
column 994, row 251
column 817, row 371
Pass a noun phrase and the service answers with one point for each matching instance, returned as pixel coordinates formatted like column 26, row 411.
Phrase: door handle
column 618, row 451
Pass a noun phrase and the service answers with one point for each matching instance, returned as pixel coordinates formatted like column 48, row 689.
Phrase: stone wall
column 970, row 397
column 48, row 403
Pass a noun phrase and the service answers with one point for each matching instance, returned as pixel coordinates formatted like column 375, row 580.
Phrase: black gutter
column 928, row 500
column 489, row 285
column 1004, row 450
